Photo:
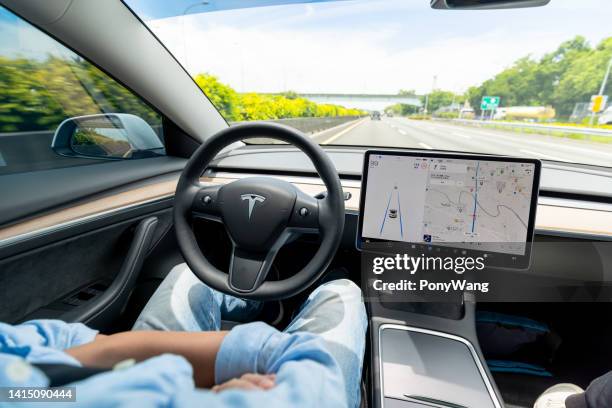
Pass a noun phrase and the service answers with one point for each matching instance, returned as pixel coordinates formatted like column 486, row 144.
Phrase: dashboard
column 574, row 201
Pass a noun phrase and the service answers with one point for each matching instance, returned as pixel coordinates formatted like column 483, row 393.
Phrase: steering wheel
column 260, row 215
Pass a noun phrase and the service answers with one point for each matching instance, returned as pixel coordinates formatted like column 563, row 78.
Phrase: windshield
column 396, row 73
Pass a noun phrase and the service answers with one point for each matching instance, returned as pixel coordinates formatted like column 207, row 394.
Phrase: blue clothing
column 37, row 341
column 308, row 373
column 334, row 311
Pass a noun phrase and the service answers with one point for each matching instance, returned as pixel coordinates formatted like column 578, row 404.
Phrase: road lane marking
column 542, row 155
column 518, row 140
column 428, row 127
column 403, row 132
column 343, row 132
column 521, row 138
column 425, row 146
column 328, row 130
column 461, row 135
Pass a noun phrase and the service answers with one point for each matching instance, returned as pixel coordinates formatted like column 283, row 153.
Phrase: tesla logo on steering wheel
column 253, row 198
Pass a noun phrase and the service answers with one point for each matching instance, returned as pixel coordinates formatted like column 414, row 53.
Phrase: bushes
column 237, row 107
column 419, row 116
column 447, row 115
column 222, row 96
column 37, row 94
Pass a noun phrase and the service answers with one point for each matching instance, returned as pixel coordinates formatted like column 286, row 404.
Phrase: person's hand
column 248, row 381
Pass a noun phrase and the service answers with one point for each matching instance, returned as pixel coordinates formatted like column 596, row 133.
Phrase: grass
column 566, row 135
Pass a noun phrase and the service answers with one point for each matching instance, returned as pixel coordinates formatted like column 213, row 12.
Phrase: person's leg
column 597, row 395
column 336, row 312
column 183, row 303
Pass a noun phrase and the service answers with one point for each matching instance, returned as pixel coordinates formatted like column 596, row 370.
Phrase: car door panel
column 57, row 279
column 100, row 307
column 35, row 192
column 88, row 170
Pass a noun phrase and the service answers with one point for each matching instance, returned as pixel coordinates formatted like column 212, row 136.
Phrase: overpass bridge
column 370, row 102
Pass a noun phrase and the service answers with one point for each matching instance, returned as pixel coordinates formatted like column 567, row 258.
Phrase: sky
column 365, row 46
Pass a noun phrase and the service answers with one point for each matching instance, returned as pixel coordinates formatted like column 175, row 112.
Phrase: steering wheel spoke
column 248, row 269
column 206, row 203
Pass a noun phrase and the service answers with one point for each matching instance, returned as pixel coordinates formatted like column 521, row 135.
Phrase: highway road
column 387, row 132
column 437, row 135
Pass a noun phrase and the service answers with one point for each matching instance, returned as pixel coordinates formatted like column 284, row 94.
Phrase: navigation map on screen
column 449, row 200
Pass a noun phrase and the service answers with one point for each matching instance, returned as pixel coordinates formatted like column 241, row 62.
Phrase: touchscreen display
column 473, row 202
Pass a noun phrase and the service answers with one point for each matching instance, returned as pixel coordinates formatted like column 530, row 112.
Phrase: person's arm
column 200, row 349
column 306, row 375
column 55, row 334
column 597, row 395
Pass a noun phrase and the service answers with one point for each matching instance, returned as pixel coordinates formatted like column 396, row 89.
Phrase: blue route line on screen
column 399, row 209
column 385, row 215
column 475, row 197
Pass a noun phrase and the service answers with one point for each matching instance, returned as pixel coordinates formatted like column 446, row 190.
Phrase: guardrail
column 537, row 126
column 27, row 151
column 313, row 125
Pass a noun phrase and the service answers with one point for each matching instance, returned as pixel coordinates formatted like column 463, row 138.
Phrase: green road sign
column 489, row 102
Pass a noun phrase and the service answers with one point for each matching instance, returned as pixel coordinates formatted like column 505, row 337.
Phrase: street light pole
column 433, row 88
column 603, row 87
column 605, row 80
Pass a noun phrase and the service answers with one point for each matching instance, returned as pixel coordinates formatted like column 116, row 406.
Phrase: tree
column 439, row 99
column 583, row 78
column 222, row 96
column 404, row 92
column 554, row 65
column 403, row 109
column 562, row 78
column 39, row 94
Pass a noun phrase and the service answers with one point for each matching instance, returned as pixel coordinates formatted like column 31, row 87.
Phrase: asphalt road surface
column 434, row 135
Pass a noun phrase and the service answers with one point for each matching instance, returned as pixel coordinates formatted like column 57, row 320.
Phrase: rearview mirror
column 486, row 4
column 108, row 136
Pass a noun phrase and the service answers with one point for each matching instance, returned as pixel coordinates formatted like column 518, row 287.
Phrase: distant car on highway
column 606, row 117
column 375, row 115
column 467, row 113
column 392, row 213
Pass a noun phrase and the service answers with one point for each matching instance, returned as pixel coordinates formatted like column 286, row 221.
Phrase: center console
column 420, row 360
column 426, row 354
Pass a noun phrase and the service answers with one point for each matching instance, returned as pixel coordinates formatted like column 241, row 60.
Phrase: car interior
column 95, row 213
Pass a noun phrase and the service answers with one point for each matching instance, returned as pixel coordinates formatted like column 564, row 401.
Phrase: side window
column 59, row 110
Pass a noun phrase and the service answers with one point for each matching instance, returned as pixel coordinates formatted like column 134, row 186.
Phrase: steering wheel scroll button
column 205, row 201
column 347, row 195
column 305, row 216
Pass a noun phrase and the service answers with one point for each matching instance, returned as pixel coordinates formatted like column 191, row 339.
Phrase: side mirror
column 107, row 136
column 486, row 4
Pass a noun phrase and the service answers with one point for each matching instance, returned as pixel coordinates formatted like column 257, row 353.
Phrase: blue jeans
column 334, row 310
